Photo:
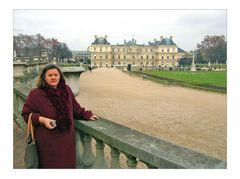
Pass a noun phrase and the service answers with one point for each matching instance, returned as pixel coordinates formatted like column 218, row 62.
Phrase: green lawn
column 198, row 78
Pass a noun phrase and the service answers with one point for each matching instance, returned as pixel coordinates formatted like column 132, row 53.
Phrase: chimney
column 171, row 37
column 95, row 36
column 161, row 37
column 124, row 41
column 155, row 40
column 106, row 37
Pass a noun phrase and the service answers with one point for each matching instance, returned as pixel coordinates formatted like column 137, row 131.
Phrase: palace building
column 159, row 53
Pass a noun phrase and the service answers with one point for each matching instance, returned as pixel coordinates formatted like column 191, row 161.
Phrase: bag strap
column 30, row 127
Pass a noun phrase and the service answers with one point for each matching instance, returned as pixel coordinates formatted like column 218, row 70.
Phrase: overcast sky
column 78, row 27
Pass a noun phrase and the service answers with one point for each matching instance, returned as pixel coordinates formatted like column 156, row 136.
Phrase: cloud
column 78, row 27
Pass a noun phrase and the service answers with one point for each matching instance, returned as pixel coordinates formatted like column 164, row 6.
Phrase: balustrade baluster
column 15, row 104
column 115, row 157
column 88, row 157
column 131, row 161
column 79, row 149
column 17, row 112
column 20, row 105
column 100, row 161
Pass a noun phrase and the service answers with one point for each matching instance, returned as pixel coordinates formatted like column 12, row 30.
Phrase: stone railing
column 26, row 73
column 136, row 146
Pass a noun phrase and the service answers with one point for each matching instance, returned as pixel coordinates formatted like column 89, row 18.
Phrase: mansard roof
column 165, row 41
column 101, row 40
column 181, row 50
column 131, row 42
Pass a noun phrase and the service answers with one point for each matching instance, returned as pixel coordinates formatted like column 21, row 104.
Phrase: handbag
column 31, row 154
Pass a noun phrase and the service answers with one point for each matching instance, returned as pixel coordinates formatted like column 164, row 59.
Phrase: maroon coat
column 56, row 149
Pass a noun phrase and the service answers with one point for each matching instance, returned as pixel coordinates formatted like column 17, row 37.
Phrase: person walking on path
column 53, row 107
column 90, row 68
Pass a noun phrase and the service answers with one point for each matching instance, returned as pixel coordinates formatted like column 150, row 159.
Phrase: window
column 168, row 57
column 100, row 49
column 162, row 57
column 133, row 57
column 147, row 56
column 141, row 57
column 152, row 57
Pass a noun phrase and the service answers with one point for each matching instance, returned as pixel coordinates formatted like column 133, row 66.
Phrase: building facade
column 81, row 56
column 159, row 53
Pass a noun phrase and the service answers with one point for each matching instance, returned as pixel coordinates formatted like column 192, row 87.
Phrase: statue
column 193, row 66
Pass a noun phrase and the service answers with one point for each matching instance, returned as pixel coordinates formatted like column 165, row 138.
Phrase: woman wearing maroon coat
column 53, row 102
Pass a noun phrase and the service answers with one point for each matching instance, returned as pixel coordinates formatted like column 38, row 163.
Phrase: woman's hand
column 93, row 118
column 47, row 122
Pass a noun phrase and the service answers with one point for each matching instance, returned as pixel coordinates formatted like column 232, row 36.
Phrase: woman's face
column 52, row 77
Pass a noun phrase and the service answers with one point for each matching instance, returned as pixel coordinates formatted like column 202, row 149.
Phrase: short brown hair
column 41, row 78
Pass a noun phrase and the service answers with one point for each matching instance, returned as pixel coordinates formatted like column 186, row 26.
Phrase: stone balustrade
column 19, row 96
column 136, row 146
column 26, row 73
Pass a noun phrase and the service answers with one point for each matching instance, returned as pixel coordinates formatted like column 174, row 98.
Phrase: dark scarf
column 59, row 98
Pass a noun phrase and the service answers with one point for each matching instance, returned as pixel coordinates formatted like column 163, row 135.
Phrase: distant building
column 81, row 56
column 159, row 53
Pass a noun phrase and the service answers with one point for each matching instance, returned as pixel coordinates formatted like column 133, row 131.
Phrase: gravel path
column 191, row 118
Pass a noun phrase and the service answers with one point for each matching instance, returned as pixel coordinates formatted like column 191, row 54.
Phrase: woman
column 53, row 102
